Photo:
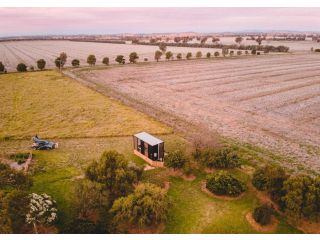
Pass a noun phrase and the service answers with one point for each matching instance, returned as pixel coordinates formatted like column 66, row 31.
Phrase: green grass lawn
column 85, row 124
column 53, row 106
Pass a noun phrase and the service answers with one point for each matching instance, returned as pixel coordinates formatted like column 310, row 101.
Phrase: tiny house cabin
column 149, row 148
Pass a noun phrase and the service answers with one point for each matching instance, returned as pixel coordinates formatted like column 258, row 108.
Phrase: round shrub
column 220, row 158
column 259, row 179
column 105, row 61
column 176, row 159
column 21, row 67
column 223, row 183
column 75, row 63
column 262, row 214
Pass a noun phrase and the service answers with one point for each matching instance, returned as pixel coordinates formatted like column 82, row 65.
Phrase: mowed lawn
column 53, row 106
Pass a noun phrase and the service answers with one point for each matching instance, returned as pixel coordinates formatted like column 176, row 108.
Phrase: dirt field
column 271, row 101
column 28, row 52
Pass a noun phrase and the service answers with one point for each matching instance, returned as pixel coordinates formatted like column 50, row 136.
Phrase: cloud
column 29, row 21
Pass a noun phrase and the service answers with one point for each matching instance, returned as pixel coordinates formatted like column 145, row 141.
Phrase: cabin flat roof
column 146, row 137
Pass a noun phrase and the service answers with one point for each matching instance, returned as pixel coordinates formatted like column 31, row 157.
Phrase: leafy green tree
column 105, row 61
column 208, row 55
column 5, row 221
column 88, row 197
column 262, row 214
column 189, row 55
column 176, row 160
column 223, row 183
column 115, row 173
column 219, row 158
column 120, row 59
column 179, row 56
column 146, row 206
column 17, row 209
column 75, row 63
column 157, row 55
column 163, row 47
column 302, row 196
column 91, row 60
column 41, row 64
column 169, row 55
column 133, row 57
column 271, row 179
column 2, row 68
column 198, row 54
column 21, row 67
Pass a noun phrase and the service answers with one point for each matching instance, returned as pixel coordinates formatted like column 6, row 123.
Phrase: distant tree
column 246, row 52
column 163, row 47
column 169, row 55
column 216, row 54
column 61, row 60
column 120, row 59
column 259, row 40
column 203, row 40
column 179, row 56
column 42, row 210
column 31, row 68
column 189, row 55
column 133, row 57
column 2, row 67
column 21, row 67
column 239, row 53
column 75, row 63
column 215, row 39
column 176, row 160
column 145, row 59
column 225, row 51
column 91, row 60
column 41, row 64
column 115, row 173
column 208, row 55
column 199, row 54
column 253, row 51
column 231, row 53
column 105, row 61
column 146, row 206
column 152, row 40
column 157, row 55
column 238, row 40
column 177, row 39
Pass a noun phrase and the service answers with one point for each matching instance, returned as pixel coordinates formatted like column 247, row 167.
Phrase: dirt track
column 271, row 101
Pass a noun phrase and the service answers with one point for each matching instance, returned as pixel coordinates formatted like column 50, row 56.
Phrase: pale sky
column 41, row 21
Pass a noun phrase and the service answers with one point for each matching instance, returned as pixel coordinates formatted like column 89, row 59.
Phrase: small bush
column 262, row 214
column 105, row 61
column 75, row 63
column 223, row 183
column 208, row 55
column 219, row 158
column 231, row 53
column 21, row 67
column 145, row 59
column 253, row 52
column 189, row 55
column 2, row 68
column 239, row 53
column 246, row 52
column 41, row 64
column 260, row 180
column 216, row 54
column 176, row 160
column 179, row 56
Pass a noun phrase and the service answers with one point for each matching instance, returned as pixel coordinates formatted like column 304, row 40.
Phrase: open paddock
column 272, row 101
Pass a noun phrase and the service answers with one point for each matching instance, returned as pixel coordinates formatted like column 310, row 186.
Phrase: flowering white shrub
column 42, row 210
